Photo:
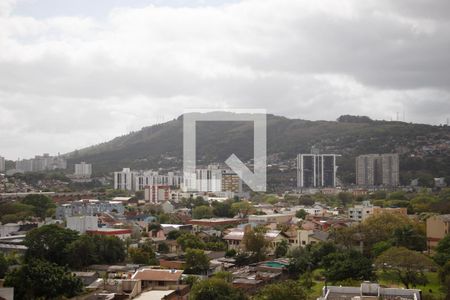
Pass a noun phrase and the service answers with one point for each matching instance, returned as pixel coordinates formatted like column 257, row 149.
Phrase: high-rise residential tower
column 316, row 170
column 377, row 169
column 2, row 164
column 83, row 170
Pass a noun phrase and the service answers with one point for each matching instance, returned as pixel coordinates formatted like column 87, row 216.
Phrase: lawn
column 433, row 288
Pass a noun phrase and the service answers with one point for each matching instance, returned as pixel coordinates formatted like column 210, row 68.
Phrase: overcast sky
column 79, row 72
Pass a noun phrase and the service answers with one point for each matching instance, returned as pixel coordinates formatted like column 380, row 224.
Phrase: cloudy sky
column 79, row 72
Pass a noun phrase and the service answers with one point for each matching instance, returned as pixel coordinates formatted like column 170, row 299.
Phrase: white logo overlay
column 196, row 181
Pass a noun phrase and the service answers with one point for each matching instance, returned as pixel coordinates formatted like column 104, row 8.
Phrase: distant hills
column 424, row 148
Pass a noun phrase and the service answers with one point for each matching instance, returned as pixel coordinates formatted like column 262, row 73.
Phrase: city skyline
column 78, row 75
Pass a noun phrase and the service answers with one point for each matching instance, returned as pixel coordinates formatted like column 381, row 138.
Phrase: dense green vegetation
column 32, row 206
column 40, row 279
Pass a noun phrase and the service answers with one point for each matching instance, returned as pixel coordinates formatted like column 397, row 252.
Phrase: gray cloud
column 68, row 81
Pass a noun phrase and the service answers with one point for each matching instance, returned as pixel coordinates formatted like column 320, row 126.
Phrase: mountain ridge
column 160, row 146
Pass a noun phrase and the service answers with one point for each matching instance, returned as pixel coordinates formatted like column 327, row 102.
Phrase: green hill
column 424, row 148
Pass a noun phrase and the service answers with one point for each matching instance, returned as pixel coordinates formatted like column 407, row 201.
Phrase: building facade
column 82, row 223
column 362, row 211
column 88, row 208
column 125, row 180
column 40, row 163
column 156, row 194
column 83, row 170
column 437, row 228
column 2, row 164
column 368, row 291
column 377, row 169
column 316, row 170
column 130, row 180
column 231, row 182
column 208, row 179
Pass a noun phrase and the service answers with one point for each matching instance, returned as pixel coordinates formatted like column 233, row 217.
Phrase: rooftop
column 158, row 275
column 154, row 295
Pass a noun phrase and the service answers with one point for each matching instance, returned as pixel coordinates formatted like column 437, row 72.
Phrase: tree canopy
column 286, row 290
column 348, row 264
column 39, row 279
column 215, row 289
column 197, row 262
column 255, row 243
column 408, row 265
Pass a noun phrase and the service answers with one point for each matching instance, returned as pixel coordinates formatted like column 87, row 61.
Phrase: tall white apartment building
column 316, row 170
column 125, row 180
column 149, row 178
column 2, row 164
column 137, row 180
column 83, row 170
column 204, row 180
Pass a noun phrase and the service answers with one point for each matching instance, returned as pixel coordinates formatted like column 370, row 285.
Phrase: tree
column 202, row 212
column 142, row 256
column 306, row 280
column 442, row 255
column 286, row 290
column 381, row 227
column 345, row 198
column 188, row 240
column 408, row 265
column 174, row 234
column 409, row 237
column 300, row 261
column 224, row 275
column 301, row 214
column 82, row 252
column 3, row 265
column 306, row 200
column 50, row 243
column 255, row 242
column 197, row 262
column 319, row 251
column 110, row 249
column 191, row 280
column 444, row 278
column 242, row 208
column 222, row 209
column 348, row 264
column 244, row 258
column 40, row 203
column 422, row 202
column 380, row 247
column 194, row 202
column 14, row 212
column 215, row 246
column 39, row 279
column 215, row 289
column 281, row 249
column 163, row 248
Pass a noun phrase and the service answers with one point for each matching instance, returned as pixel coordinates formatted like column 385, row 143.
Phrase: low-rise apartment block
column 88, row 208
column 366, row 209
